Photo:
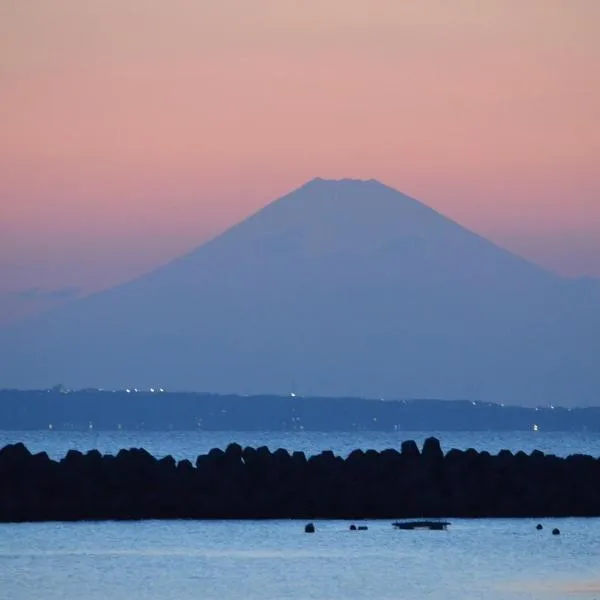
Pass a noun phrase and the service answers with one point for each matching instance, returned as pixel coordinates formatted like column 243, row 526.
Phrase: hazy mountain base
column 164, row 411
column 342, row 288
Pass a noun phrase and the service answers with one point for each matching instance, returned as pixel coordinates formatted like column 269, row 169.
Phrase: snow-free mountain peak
column 328, row 230
column 345, row 287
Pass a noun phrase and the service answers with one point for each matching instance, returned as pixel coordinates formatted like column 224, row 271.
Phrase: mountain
column 342, row 287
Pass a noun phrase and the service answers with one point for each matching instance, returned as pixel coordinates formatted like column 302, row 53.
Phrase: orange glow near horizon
column 132, row 131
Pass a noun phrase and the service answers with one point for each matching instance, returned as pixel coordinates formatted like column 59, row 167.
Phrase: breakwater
column 256, row 483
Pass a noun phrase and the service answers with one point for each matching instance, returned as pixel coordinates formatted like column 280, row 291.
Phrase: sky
column 132, row 131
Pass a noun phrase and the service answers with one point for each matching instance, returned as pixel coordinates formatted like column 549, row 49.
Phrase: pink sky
column 131, row 131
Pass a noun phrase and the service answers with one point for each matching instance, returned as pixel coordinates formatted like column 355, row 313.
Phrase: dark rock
column 234, row 450
column 185, row 466
column 309, row 528
column 281, row 455
column 432, row 449
column 410, row 449
column 216, row 454
column 167, row 462
column 73, row 456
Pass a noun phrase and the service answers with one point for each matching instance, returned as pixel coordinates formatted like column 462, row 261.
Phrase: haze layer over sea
column 492, row 559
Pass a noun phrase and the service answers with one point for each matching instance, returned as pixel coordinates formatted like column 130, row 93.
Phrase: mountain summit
column 342, row 287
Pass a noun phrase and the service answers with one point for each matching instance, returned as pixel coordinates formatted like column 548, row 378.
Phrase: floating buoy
column 539, row 527
column 556, row 531
column 309, row 528
column 352, row 527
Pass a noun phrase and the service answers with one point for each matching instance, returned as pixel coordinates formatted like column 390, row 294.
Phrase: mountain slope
column 339, row 288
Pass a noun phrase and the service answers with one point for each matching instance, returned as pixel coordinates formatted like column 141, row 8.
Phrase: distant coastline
column 159, row 410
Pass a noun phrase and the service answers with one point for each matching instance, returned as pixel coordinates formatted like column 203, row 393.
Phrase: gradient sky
column 133, row 130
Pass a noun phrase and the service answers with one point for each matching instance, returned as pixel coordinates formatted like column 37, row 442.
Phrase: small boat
column 431, row 525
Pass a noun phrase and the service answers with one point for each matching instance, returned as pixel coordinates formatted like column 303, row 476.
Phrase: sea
column 491, row 559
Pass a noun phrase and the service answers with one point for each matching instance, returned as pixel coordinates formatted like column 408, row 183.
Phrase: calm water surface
column 272, row 560
column 504, row 559
column 188, row 444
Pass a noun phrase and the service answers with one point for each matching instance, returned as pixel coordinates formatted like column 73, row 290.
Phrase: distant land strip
column 255, row 483
column 160, row 410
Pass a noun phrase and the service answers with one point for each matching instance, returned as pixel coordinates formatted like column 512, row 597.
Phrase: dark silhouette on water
column 431, row 525
column 255, row 483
